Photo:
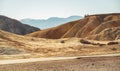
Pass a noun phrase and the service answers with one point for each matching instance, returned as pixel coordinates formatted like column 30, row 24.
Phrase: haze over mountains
column 50, row 22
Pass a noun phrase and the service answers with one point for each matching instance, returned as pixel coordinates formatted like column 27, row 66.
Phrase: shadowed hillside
column 14, row 26
column 90, row 25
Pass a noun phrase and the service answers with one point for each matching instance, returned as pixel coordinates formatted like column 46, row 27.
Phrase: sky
column 43, row 9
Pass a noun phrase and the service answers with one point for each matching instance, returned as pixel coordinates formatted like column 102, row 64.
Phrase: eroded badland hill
column 91, row 25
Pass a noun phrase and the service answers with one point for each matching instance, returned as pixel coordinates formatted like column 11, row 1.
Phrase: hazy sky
column 42, row 9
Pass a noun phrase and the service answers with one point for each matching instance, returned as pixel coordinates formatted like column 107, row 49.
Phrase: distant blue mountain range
column 50, row 22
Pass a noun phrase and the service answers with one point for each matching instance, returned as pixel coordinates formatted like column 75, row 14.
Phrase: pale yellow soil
column 30, row 47
column 108, row 63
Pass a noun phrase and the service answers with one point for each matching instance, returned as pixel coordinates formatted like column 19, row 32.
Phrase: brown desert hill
column 55, row 32
column 73, row 31
column 14, row 26
column 104, row 25
column 89, row 25
column 107, row 34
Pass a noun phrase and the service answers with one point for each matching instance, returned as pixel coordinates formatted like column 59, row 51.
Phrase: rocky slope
column 88, row 26
column 107, row 34
column 14, row 26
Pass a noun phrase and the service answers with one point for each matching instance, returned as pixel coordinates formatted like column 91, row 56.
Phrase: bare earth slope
column 107, row 34
column 39, row 47
column 83, row 28
column 55, row 32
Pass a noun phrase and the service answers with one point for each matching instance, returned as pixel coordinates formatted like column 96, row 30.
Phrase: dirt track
column 105, row 63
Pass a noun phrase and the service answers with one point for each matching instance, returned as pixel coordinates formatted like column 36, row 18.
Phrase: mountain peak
column 50, row 22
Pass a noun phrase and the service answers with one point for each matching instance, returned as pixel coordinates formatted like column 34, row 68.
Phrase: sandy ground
column 36, row 48
column 103, row 63
column 14, row 46
column 15, row 61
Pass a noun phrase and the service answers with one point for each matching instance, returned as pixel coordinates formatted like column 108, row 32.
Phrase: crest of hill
column 14, row 26
column 53, row 33
column 88, row 26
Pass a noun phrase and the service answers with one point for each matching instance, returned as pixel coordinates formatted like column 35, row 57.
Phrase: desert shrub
column 32, row 39
column 92, row 64
column 98, row 44
column 62, row 41
column 112, row 43
column 114, row 49
column 85, row 41
column 78, row 58
column 101, row 44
